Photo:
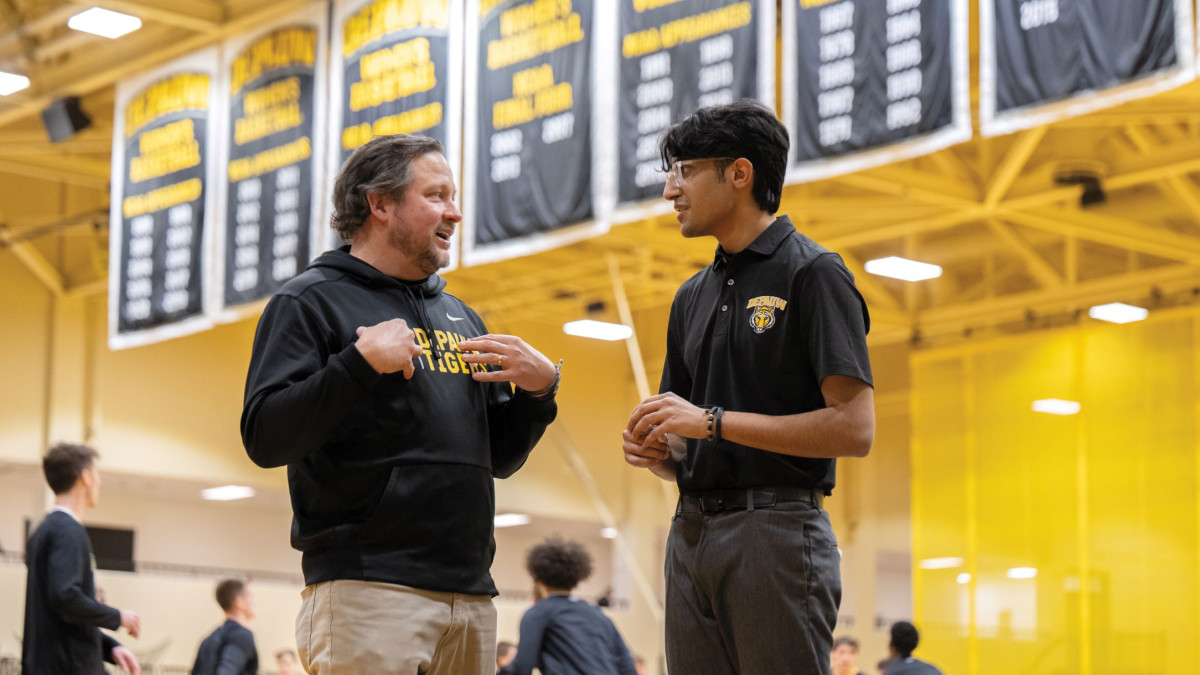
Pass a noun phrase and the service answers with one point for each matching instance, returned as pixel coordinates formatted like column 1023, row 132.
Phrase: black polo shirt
column 758, row 331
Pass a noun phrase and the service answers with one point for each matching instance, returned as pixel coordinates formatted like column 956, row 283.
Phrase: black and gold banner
column 676, row 57
column 393, row 71
column 873, row 81
column 159, row 199
column 529, row 150
column 268, row 206
column 1044, row 60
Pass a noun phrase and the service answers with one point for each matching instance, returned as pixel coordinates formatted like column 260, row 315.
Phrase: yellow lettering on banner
column 407, row 122
column 170, row 148
column 534, row 29
column 522, row 109
column 393, row 73
column 382, row 17
column 396, row 85
column 186, row 91
column 688, row 29
column 270, row 160
column 270, row 121
column 280, row 93
column 527, row 82
column 404, row 55
column 162, row 198
column 815, row 3
column 296, row 46
column 643, row 5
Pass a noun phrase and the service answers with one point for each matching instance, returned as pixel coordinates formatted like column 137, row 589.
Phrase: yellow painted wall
column 1103, row 504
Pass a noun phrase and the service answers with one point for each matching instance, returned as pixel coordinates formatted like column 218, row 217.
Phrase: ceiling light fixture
column 1118, row 312
column 510, row 519
column 940, row 563
column 598, row 330
column 11, row 83
column 1056, row 406
column 903, row 269
column 1021, row 573
column 227, row 493
column 609, row 533
column 105, row 23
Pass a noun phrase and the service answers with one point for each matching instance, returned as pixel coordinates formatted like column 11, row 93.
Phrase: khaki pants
column 348, row 627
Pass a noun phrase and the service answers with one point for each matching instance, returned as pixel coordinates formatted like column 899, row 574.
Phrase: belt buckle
column 711, row 503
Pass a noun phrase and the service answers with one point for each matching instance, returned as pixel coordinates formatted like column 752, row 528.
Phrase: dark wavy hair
column 228, row 591
column 382, row 166
column 743, row 128
column 559, row 564
column 65, row 462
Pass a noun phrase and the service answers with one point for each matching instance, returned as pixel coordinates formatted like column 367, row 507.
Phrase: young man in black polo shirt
column 766, row 382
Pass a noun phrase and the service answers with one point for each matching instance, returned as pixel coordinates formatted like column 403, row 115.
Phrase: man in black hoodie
column 391, row 406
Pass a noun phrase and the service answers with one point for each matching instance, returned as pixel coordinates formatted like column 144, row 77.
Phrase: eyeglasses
column 680, row 166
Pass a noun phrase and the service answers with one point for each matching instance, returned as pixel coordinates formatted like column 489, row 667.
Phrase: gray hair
column 382, row 166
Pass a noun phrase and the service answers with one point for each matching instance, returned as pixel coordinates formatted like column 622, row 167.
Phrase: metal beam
column 1010, row 167
column 94, row 74
column 1178, row 187
column 1111, row 231
column 34, row 260
column 1037, row 265
column 55, row 174
column 1013, row 307
column 194, row 15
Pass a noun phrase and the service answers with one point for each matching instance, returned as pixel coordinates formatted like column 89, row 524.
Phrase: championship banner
column 676, row 57
column 270, row 166
column 527, row 179
column 161, row 202
column 395, row 69
column 1045, row 60
column 870, row 82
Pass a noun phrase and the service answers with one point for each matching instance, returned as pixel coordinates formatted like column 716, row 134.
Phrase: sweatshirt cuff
column 358, row 367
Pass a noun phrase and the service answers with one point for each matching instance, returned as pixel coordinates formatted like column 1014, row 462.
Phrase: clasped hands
column 644, row 439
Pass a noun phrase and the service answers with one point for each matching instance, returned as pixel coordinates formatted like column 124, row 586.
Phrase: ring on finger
column 500, row 361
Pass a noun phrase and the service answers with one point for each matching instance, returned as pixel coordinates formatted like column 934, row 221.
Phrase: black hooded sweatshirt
column 391, row 480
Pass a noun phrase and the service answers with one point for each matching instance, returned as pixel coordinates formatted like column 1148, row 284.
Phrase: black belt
column 712, row 501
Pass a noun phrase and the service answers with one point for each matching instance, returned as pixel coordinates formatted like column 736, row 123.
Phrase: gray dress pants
column 752, row 592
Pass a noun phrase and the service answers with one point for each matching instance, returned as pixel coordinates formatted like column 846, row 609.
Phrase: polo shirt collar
column 764, row 244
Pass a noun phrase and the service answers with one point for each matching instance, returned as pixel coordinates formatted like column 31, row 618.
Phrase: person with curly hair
column 562, row 634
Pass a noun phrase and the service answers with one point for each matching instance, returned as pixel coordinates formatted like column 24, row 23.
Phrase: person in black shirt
column 230, row 649
column 62, row 616
column 844, row 656
column 766, row 382
column 564, row 635
column 905, row 639
column 394, row 410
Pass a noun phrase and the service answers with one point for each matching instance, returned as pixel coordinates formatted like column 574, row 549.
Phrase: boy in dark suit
column 62, row 616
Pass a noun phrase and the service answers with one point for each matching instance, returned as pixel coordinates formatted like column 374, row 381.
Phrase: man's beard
column 423, row 254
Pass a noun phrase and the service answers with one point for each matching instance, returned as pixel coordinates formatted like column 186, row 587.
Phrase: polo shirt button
column 724, row 307
column 730, row 282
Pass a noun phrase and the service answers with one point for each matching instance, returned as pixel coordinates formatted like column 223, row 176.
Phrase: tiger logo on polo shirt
column 763, row 316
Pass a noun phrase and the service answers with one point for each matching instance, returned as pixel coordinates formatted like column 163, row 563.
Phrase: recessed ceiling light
column 903, row 269
column 227, row 493
column 963, row 578
column 1021, row 572
column 510, row 519
column 940, row 563
column 598, row 330
column 10, row 83
column 1056, row 406
column 1118, row 312
column 609, row 533
column 104, row 23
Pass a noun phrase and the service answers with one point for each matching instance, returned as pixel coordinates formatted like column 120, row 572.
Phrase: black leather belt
column 748, row 499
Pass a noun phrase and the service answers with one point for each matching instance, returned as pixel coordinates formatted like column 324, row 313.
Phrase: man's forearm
column 827, row 433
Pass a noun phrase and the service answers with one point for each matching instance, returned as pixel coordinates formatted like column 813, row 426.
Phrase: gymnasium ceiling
column 1018, row 249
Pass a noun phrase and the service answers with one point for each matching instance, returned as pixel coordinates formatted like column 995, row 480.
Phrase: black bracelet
column 718, row 413
column 549, row 391
column 711, row 423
